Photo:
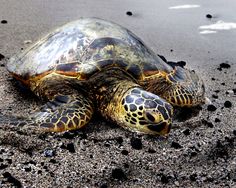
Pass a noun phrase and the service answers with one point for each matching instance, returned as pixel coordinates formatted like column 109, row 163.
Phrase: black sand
column 201, row 148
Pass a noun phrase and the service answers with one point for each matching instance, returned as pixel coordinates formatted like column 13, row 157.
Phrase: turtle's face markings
column 146, row 112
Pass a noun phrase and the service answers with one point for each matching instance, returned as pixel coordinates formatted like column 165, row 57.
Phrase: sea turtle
column 94, row 65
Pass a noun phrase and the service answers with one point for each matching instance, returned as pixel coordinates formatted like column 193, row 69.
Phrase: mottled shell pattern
column 83, row 47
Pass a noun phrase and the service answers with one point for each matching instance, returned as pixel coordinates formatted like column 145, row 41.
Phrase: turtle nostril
column 150, row 117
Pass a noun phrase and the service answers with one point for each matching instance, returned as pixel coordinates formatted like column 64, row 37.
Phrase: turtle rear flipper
column 64, row 112
column 186, row 88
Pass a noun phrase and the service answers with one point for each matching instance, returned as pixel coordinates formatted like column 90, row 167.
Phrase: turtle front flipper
column 64, row 112
column 185, row 89
column 138, row 110
column 181, row 87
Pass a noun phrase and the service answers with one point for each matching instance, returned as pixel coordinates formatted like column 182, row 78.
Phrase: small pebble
column 3, row 21
column 164, row 179
column 193, row 154
column 107, row 145
column 124, row 152
column 209, row 16
column 207, row 101
column 176, row 183
column 217, row 120
column 53, row 161
column 45, row 167
column 229, row 140
column 126, row 165
column 27, row 169
column 136, row 143
column 150, row 150
column 234, row 90
column 186, row 132
column 227, row 104
column 192, row 177
column 71, row 147
column 129, row 13
column 229, row 92
column 30, row 162
column 1, row 57
column 234, row 132
column 104, row 185
column 119, row 140
column 118, row 173
column 211, row 108
column 176, row 145
column 215, row 96
column 209, row 124
column 209, row 178
column 48, row 153
column 224, row 65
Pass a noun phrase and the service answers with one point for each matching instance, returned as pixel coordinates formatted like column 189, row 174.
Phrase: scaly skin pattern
column 180, row 87
column 64, row 113
column 99, row 65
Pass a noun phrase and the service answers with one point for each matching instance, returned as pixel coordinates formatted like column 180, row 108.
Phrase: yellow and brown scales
column 94, row 65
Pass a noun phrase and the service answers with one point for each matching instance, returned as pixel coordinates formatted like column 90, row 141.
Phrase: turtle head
column 146, row 112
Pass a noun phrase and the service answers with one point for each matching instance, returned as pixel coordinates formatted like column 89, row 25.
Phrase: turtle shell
column 83, row 47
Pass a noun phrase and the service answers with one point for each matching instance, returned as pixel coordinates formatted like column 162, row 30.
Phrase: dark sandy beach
column 201, row 148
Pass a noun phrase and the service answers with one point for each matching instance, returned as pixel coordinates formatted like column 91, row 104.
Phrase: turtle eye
column 150, row 117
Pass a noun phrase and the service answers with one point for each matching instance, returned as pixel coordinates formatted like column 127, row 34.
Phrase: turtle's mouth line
column 161, row 127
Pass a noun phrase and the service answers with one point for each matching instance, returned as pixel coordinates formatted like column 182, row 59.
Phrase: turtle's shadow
column 182, row 114
column 22, row 90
